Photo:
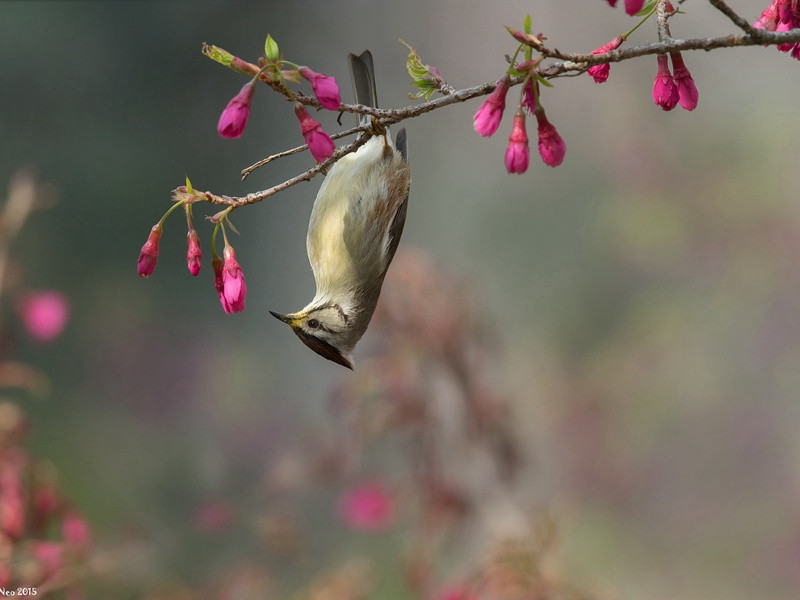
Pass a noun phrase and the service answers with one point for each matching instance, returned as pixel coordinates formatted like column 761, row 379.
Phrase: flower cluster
column 670, row 89
column 487, row 120
column 234, row 118
column 781, row 15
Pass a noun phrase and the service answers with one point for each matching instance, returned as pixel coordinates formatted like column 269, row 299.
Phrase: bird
column 353, row 233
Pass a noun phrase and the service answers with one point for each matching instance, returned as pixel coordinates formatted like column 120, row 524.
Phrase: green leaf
column 527, row 24
column 422, row 76
column 216, row 53
column 271, row 51
column 189, row 185
column 648, row 7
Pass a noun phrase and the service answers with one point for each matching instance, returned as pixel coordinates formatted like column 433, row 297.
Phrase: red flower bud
column 319, row 143
column 194, row 255
column 149, row 253
column 633, row 6
column 229, row 281
column 551, row 146
column 234, row 117
column 665, row 92
column 517, row 152
column 600, row 72
column 325, row 88
column 687, row 91
column 489, row 115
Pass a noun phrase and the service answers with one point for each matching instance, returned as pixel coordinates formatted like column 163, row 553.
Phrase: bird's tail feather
column 362, row 71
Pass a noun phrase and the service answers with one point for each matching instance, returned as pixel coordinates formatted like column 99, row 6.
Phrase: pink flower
column 194, row 255
column 75, row 531
column 44, row 314
column 529, row 100
column 551, row 147
column 229, row 281
column 489, row 115
column 517, row 153
column 600, row 72
column 325, row 88
column 612, row 3
column 367, row 507
column 148, row 256
column 319, row 143
column 665, row 92
column 781, row 28
column 687, row 91
column 769, row 18
column 234, row 117
column 633, row 6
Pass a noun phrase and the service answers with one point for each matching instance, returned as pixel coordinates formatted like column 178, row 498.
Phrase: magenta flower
column 529, row 101
column 517, row 153
column 319, row 143
column 367, row 507
column 665, row 92
column 325, row 88
column 75, row 530
column 194, row 255
column 687, row 91
column 600, row 72
column 551, row 146
column 779, row 29
column 44, row 314
column 148, row 256
column 234, row 117
column 229, row 281
column 612, row 3
column 633, row 6
column 769, row 18
column 489, row 115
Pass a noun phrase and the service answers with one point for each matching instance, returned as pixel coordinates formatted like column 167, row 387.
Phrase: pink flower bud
column 551, row 147
column 769, row 18
column 665, row 92
column 517, row 153
column 367, row 507
column 612, row 3
column 75, row 530
column 489, row 115
column 44, row 314
column 229, row 281
column 319, row 143
column 234, row 117
column 194, row 255
column 325, row 88
column 149, row 253
column 633, row 6
column 687, row 91
column 529, row 100
column 600, row 72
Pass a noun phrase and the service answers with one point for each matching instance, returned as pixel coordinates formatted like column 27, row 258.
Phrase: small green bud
column 271, row 51
column 216, row 53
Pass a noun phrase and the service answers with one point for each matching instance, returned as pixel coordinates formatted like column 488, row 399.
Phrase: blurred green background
column 646, row 293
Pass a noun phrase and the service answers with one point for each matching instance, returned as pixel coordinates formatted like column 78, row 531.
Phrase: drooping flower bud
column 517, row 152
column 194, row 255
column 44, row 314
column 325, row 88
column 687, row 91
column 149, row 253
column 529, row 100
column 551, row 146
column 665, row 92
column 489, row 115
column 600, row 72
column 633, row 6
column 234, row 117
column 319, row 143
column 229, row 281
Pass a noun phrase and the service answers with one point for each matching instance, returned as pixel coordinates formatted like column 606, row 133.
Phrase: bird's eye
column 313, row 323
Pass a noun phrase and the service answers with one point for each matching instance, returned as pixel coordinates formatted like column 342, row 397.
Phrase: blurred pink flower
column 234, row 117
column 633, row 6
column 75, row 530
column 50, row 556
column 325, row 88
column 44, row 314
column 213, row 517
column 367, row 507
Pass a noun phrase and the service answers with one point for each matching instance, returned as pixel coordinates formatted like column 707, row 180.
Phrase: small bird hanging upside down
column 355, row 227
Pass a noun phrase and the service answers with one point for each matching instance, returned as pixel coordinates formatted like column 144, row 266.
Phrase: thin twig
column 740, row 22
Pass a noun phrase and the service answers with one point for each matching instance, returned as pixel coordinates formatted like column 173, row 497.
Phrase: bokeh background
column 643, row 297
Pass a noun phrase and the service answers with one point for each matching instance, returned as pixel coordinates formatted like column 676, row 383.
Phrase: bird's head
column 324, row 329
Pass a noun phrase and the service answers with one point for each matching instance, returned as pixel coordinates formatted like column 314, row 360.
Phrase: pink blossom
column 367, row 507
column 779, row 29
column 796, row 51
column 633, row 6
column 148, row 256
column 234, row 117
column 687, row 91
column 325, row 88
column 529, row 100
column 194, row 255
column 551, row 146
column 612, row 3
column 600, row 72
column 319, row 143
column 769, row 17
column 665, row 92
column 44, row 314
column 489, row 115
column 517, row 153
column 229, row 281
column 50, row 556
